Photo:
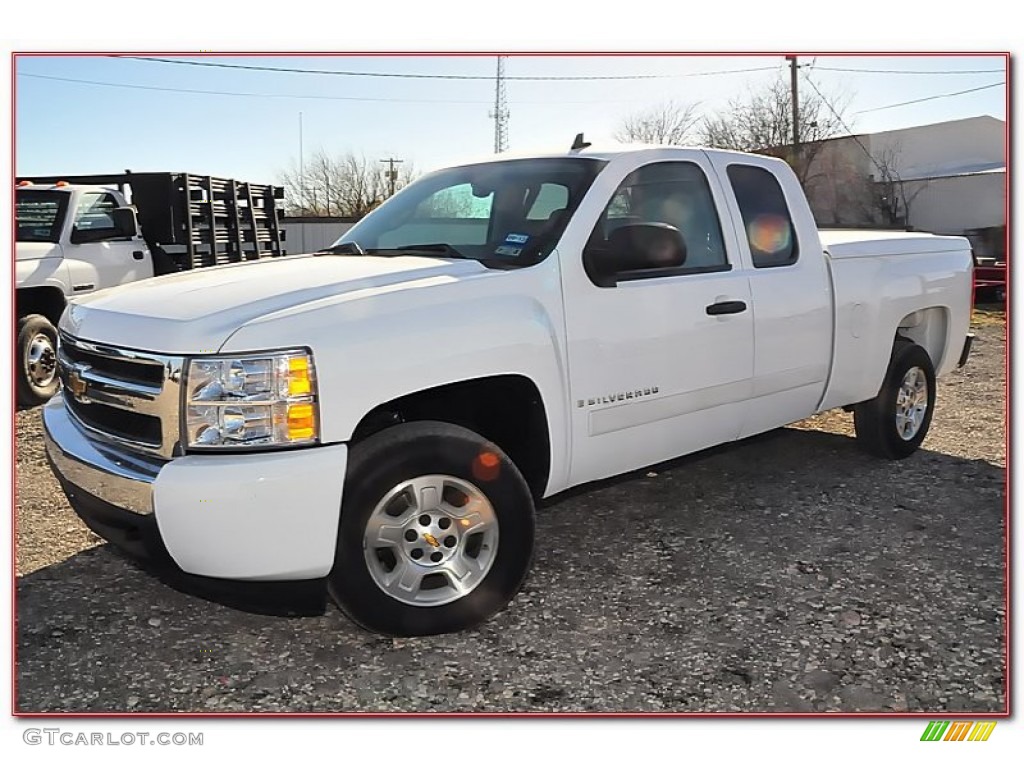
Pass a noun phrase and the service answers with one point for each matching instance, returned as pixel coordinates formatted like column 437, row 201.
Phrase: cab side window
column 672, row 193
column 94, row 219
column 766, row 219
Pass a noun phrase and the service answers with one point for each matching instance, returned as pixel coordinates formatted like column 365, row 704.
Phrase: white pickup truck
column 70, row 239
column 377, row 421
column 78, row 234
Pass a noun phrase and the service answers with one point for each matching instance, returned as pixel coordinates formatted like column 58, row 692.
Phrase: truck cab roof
column 611, row 151
column 59, row 187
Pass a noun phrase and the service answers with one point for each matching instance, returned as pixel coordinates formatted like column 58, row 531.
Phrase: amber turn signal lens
column 299, row 381
column 301, row 421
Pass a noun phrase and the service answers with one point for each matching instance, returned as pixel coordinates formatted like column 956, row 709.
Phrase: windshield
column 507, row 213
column 39, row 215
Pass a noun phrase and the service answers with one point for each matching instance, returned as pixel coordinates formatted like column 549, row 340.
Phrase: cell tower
column 500, row 111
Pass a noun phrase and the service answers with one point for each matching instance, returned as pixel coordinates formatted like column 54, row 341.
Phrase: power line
column 839, row 119
column 250, row 94
column 244, row 93
column 421, row 76
column 931, row 98
column 913, row 71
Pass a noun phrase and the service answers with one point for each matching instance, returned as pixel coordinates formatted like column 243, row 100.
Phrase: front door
column 661, row 363
column 98, row 256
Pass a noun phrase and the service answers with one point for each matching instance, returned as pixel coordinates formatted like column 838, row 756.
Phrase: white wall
column 306, row 237
column 951, row 205
column 943, row 148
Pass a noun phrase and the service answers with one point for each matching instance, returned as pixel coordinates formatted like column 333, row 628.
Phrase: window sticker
column 507, row 250
column 512, row 237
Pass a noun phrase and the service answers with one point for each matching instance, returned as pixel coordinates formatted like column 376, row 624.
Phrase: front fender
column 371, row 349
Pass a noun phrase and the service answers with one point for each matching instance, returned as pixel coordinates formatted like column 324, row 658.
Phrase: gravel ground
column 787, row 573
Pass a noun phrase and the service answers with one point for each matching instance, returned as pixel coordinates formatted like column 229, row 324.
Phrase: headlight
column 266, row 399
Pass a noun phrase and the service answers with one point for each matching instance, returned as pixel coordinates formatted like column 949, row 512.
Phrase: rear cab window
column 766, row 219
column 39, row 215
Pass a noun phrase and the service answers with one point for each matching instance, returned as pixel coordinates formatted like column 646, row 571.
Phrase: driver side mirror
column 125, row 222
column 635, row 248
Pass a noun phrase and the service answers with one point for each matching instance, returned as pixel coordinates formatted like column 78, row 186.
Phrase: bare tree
column 339, row 185
column 894, row 195
column 668, row 123
column 842, row 192
column 762, row 122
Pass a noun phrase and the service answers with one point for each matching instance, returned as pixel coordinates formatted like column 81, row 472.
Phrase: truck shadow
column 788, row 449
column 709, row 583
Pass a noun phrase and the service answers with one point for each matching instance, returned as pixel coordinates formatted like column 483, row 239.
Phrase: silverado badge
column 617, row 397
column 77, row 385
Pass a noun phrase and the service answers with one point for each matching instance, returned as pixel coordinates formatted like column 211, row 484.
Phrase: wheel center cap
column 431, row 540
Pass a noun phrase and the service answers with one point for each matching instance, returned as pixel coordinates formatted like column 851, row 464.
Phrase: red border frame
column 553, row 54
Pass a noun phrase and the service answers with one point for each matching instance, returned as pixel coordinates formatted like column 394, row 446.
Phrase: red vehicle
column 989, row 247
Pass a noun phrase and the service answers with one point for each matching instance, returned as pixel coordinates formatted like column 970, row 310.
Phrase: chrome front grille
column 123, row 396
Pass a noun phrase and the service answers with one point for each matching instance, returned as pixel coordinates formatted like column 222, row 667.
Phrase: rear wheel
column 37, row 360
column 894, row 424
column 436, row 531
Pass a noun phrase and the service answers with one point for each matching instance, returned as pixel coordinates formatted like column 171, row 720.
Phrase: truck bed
column 862, row 243
column 878, row 278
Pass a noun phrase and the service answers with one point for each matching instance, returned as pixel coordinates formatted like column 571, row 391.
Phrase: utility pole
column 793, row 67
column 302, row 188
column 391, row 174
column 500, row 112
column 302, row 168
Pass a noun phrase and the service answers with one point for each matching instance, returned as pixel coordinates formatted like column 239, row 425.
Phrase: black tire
column 398, row 454
column 31, row 389
column 875, row 420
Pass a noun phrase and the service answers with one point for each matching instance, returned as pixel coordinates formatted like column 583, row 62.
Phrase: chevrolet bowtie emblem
column 77, row 385
column 432, row 540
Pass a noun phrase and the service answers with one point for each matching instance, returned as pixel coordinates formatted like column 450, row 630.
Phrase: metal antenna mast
column 500, row 112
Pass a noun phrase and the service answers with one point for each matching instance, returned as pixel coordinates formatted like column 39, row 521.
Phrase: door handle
column 726, row 308
column 138, row 255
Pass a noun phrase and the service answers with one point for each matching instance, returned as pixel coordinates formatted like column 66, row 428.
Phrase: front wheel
column 894, row 424
column 36, row 379
column 436, row 531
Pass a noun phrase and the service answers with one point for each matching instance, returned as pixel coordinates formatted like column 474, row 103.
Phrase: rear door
column 98, row 256
column 655, row 371
column 789, row 289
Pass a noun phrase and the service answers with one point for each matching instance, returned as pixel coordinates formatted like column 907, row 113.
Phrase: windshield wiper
column 351, row 248
column 431, row 249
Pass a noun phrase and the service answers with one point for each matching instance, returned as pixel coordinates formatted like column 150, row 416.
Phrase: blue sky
column 74, row 127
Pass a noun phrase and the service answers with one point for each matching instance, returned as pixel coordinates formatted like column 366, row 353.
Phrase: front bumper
column 223, row 526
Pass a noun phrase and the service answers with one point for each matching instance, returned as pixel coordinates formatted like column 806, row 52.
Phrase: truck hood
column 195, row 312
